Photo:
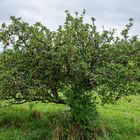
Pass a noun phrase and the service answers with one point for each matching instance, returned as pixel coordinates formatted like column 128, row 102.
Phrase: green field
column 120, row 121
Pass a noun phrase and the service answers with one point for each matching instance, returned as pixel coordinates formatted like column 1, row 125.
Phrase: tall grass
column 120, row 121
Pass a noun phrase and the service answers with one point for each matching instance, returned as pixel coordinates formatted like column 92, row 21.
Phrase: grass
column 20, row 123
column 120, row 121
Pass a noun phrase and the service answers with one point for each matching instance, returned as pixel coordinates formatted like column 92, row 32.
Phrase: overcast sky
column 110, row 13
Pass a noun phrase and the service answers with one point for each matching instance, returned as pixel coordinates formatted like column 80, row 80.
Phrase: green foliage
column 66, row 65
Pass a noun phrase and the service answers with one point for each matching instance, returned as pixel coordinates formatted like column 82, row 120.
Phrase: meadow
column 30, row 121
column 63, row 82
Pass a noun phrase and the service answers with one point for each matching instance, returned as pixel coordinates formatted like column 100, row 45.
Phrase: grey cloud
column 111, row 13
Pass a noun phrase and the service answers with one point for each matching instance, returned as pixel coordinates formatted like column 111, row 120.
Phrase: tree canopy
column 73, row 65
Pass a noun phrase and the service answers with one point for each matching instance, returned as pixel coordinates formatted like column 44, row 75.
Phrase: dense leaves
column 74, row 65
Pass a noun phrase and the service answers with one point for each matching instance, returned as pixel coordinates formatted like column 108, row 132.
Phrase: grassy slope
column 120, row 121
